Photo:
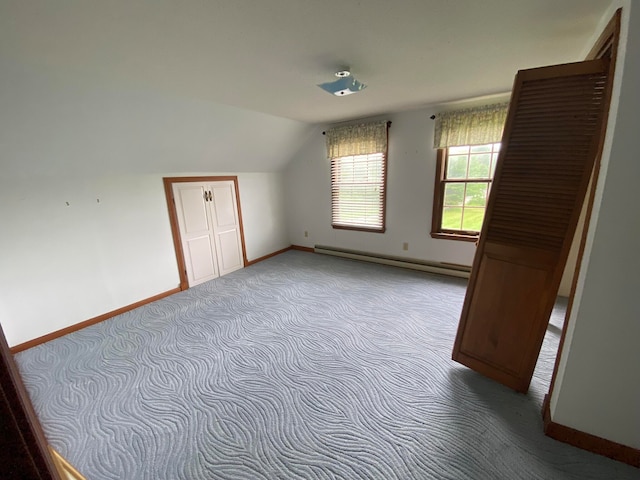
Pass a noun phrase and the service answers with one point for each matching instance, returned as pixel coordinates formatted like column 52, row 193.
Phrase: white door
column 226, row 226
column 209, row 226
column 196, row 231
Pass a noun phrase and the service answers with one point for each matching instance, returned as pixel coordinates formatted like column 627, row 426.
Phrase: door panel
column 193, row 209
column 552, row 137
column 496, row 317
column 201, row 258
column 196, row 232
column 226, row 227
column 230, row 258
column 224, row 202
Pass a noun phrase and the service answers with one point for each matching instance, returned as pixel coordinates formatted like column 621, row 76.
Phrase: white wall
column 65, row 138
column 65, row 264
column 410, row 183
column 598, row 386
column 262, row 203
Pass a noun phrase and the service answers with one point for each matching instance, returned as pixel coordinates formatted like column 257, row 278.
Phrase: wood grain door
column 552, row 137
column 23, row 446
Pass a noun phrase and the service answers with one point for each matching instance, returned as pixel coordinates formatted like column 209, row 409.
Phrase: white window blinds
column 358, row 155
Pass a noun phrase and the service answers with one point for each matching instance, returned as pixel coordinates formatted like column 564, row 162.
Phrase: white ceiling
column 268, row 55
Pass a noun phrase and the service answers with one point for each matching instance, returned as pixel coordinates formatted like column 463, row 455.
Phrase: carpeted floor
column 300, row 367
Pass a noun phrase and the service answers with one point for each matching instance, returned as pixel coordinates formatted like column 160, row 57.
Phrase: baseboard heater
column 452, row 269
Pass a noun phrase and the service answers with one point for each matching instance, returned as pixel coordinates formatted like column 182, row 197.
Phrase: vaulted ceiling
column 267, row 56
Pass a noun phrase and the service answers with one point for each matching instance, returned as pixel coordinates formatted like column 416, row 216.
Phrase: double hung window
column 468, row 147
column 358, row 155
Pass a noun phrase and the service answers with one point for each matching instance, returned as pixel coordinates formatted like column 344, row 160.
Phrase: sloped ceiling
column 268, row 55
column 230, row 85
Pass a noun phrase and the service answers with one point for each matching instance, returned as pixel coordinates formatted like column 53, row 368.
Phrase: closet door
column 196, row 231
column 226, row 226
column 552, row 137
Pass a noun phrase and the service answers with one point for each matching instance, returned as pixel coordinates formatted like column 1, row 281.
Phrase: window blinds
column 358, row 155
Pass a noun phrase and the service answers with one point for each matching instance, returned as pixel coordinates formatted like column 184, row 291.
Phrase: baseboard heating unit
column 433, row 267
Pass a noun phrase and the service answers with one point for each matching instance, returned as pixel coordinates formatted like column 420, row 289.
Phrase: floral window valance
column 471, row 126
column 363, row 139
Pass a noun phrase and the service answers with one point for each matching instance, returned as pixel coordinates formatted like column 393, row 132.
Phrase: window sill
column 359, row 229
column 455, row 236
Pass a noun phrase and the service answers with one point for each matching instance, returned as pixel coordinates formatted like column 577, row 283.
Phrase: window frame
column 438, row 200
column 383, row 198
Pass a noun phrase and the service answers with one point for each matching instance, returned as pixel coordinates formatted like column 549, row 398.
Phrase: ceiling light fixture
column 346, row 84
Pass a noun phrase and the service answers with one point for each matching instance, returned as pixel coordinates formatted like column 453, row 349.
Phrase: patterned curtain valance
column 472, row 126
column 363, row 139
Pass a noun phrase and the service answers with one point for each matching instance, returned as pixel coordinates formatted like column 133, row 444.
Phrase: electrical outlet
column 306, row 234
column 405, row 246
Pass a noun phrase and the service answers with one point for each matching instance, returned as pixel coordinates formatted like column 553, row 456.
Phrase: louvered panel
column 544, row 125
column 551, row 139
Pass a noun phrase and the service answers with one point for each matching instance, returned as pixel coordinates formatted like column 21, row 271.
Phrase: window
column 358, row 156
column 357, row 191
column 468, row 147
column 462, row 189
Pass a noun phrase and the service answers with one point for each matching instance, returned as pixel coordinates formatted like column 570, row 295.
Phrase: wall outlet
column 405, row 246
column 306, row 234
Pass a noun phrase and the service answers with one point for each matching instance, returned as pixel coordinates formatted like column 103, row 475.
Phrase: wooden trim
column 209, row 178
column 290, row 247
column 302, row 249
column 23, row 446
column 359, row 229
column 264, row 257
column 455, row 236
column 586, row 441
column 241, row 223
column 92, row 321
column 608, row 39
column 173, row 219
column 175, row 232
column 438, row 193
column 605, row 47
column 385, row 183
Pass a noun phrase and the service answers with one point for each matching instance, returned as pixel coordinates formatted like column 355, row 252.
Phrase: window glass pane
column 452, row 218
column 481, row 148
column 476, row 195
column 453, row 194
column 458, row 150
column 479, row 165
column 457, row 166
column 494, row 160
column 464, row 203
column 472, row 219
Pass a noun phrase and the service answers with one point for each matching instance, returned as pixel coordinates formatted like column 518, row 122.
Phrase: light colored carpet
column 300, row 367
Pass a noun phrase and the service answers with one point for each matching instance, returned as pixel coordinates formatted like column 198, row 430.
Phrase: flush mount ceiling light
column 346, row 84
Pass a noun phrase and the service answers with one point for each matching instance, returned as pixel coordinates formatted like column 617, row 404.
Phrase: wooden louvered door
column 551, row 139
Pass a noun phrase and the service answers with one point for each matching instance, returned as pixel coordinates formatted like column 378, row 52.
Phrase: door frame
column 24, row 442
column 606, row 46
column 173, row 218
